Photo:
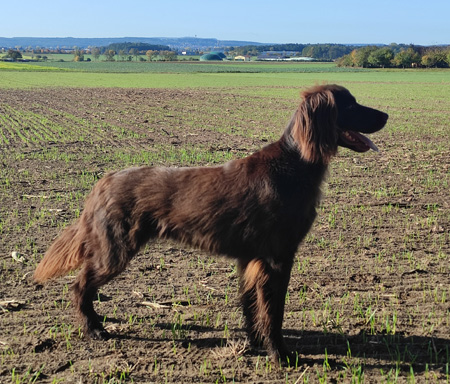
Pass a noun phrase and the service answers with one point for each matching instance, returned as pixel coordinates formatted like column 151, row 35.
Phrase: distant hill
column 70, row 42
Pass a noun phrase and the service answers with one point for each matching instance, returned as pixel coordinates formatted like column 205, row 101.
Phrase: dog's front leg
column 263, row 295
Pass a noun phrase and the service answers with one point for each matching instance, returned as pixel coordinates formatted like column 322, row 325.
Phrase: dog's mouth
column 356, row 141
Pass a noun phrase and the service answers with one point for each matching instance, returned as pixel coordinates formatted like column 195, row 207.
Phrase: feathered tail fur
column 64, row 255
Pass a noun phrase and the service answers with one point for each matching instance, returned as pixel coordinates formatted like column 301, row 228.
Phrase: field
column 369, row 297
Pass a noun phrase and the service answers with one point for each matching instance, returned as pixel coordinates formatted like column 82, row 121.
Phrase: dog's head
column 328, row 117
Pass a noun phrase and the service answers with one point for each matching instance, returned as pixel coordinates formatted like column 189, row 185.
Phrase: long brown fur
column 256, row 210
column 69, row 244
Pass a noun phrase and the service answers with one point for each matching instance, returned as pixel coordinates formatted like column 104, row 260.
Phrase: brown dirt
column 369, row 294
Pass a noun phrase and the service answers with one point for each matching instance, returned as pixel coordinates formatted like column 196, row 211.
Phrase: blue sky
column 423, row 22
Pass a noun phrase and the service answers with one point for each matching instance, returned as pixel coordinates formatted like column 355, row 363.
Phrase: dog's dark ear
column 313, row 126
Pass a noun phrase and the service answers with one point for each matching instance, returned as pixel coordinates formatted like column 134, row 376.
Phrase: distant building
column 283, row 56
column 242, row 58
column 212, row 56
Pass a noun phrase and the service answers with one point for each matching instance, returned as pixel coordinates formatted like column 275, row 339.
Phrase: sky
column 420, row 22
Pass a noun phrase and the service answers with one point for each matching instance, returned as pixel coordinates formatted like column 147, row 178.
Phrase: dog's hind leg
column 85, row 289
column 95, row 273
column 113, row 235
column 263, row 295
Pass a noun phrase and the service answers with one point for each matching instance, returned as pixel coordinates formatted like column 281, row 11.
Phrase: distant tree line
column 139, row 47
column 128, row 51
column 393, row 55
column 13, row 55
column 390, row 57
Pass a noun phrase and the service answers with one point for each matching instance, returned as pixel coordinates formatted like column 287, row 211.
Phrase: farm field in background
column 369, row 298
column 200, row 74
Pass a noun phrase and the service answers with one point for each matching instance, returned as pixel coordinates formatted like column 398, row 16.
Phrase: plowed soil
column 369, row 294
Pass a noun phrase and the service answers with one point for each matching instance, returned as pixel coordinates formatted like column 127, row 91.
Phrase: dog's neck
column 292, row 150
column 285, row 162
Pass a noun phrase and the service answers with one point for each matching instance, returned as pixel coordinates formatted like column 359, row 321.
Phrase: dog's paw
column 285, row 358
column 289, row 360
column 99, row 334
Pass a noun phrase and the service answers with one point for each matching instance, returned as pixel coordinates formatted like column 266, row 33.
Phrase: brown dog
column 256, row 210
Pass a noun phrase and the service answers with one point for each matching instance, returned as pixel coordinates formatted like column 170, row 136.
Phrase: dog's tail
column 64, row 255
